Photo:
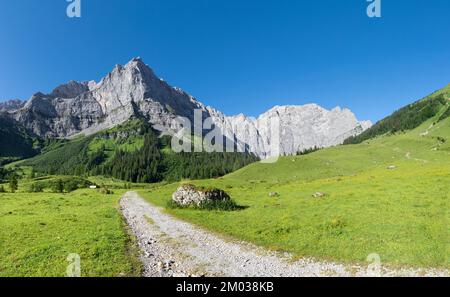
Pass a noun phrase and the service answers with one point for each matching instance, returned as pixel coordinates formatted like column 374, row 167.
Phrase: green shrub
column 106, row 191
column 37, row 187
column 13, row 183
column 445, row 115
column 70, row 186
column 57, row 186
column 223, row 205
column 220, row 205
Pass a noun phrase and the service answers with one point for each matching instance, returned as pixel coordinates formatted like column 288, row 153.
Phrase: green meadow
column 400, row 213
column 40, row 230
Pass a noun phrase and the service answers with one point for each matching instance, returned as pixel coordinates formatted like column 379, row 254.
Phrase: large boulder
column 187, row 195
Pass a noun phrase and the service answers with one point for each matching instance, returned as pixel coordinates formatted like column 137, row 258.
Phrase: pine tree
column 13, row 183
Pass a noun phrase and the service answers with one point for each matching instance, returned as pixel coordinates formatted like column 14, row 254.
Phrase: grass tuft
column 219, row 205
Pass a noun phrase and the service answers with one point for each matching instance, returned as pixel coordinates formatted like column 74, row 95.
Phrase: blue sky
column 236, row 55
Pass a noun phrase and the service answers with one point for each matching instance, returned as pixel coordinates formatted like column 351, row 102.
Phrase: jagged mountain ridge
column 134, row 91
column 301, row 127
column 11, row 105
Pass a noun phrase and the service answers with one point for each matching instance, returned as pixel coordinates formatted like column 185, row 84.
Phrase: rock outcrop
column 134, row 91
column 11, row 105
column 189, row 195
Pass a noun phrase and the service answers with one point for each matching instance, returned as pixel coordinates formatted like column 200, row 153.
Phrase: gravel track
column 171, row 248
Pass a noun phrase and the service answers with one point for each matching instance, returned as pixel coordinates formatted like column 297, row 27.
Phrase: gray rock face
column 286, row 130
column 188, row 195
column 11, row 105
column 70, row 90
column 134, row 91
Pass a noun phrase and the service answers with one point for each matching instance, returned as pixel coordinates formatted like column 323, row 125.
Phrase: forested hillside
column 134, row 152
column 16, row 141
column 409, row 117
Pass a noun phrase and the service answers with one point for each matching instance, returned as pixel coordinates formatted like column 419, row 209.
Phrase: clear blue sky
column 236, row 55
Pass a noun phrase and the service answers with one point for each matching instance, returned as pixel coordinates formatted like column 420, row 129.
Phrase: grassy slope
column 409, row 117
column 40, row 230
column 401, row 214
column 132, row 143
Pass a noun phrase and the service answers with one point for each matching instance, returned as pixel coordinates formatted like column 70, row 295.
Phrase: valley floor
column 171, row 247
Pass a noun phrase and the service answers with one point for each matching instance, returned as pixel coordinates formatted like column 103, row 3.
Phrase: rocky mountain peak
column 139, row 67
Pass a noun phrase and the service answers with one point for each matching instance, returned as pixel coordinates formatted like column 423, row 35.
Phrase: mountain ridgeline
column 133, row 152
column 135, row 91
column 409, row 117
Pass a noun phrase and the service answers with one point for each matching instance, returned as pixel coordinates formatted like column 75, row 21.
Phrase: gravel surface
column 172, row 248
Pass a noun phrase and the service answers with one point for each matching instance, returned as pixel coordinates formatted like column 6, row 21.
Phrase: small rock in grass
column 274, row 194
column 392, row 167
column 318, row 195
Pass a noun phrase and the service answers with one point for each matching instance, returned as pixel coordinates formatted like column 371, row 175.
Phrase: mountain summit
column 134, row 91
